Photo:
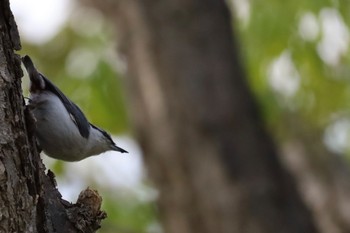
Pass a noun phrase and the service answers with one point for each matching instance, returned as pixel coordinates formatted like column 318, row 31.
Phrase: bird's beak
column 117, row 148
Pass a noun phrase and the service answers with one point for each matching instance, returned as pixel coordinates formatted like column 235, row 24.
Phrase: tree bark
column 205, row 145
column 29, row 200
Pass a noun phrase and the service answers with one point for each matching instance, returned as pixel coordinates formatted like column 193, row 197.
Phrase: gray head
column 105, row 139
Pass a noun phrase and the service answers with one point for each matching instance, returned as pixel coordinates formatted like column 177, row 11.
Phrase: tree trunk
column 204, row 142
column 29, row 200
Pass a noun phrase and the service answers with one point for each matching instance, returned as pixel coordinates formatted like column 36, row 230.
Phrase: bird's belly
column 56, row 146
column 60, row 138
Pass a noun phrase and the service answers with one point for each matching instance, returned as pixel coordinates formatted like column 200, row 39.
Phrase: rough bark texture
column 29, row 200
column 203, row 139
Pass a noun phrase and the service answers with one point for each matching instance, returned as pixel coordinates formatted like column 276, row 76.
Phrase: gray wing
column 74, row 111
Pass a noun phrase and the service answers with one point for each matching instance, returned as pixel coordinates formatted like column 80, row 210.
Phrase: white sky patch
column 242, row 10
column 283, row 77
column 309, row 27
column 337, row 136
column 335, row 36
column 40, row 20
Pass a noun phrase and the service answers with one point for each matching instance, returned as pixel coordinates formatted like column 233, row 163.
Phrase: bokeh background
column 295, row 55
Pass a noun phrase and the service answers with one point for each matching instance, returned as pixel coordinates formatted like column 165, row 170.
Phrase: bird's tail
column 36, row 80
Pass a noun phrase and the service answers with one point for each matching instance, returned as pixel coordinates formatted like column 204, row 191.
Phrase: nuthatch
column 62, row 130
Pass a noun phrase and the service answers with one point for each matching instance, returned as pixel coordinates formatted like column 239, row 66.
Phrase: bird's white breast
column 57, row 134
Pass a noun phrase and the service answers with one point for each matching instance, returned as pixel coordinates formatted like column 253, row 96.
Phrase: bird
column 61, row 128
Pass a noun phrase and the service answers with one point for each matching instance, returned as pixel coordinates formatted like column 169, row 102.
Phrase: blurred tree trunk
column 29, row 200
column 204, row 142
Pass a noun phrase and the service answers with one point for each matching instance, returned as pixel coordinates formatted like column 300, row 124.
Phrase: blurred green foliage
column 128, row 216
column 273, row 28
